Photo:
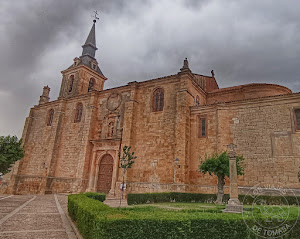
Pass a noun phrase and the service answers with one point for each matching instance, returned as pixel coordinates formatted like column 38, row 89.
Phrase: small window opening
column 297, row 116
column 50, row 117
column 202, row 127
column 71, row 83
column 91, row 84
column 78, row 114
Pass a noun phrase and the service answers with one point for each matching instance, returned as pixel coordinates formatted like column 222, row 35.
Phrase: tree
column 126, row 161
column 218, row 164
column 11, row 150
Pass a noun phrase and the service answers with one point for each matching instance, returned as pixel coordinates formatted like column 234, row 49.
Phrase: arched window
column 50, row 117
column 78, row 113
column 197, row 100
column 91, row 84
column 158, row 100
column 71, row 83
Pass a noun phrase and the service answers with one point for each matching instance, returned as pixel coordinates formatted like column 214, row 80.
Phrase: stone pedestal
column 234, row 205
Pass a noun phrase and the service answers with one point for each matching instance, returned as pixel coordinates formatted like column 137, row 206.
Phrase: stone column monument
column 234, row 205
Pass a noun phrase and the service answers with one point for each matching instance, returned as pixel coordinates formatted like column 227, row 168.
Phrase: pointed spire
column 91, row 37
column 185, row 68
column 89, row 47
column 89, row 50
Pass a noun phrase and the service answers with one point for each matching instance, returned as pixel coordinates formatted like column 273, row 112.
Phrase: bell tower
column 84, row 75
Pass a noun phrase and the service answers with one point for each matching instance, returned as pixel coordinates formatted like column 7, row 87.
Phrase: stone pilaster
column 53, row 161
column 129, row 116
column 181, row 157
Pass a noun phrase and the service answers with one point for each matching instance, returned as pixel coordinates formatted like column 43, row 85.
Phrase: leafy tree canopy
column 11, row 150
column 218, row 164
column 127, row 158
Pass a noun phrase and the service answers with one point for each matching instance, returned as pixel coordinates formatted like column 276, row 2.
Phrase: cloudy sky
column 244, row 41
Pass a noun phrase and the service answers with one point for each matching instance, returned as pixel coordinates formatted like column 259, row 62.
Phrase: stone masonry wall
column 72, row 140
column 152, row 133
column 63, row 157
column 264, row 132
column 30, row 174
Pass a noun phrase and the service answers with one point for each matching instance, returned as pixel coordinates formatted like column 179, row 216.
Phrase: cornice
column 263, row 101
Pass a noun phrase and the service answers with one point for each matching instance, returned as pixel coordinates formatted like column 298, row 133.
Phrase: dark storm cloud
column 243, row 41
column 30, row 31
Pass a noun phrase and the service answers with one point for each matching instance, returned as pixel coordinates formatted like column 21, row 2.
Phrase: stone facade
column 72, row 143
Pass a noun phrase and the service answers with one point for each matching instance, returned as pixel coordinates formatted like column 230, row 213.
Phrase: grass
column 215, row 211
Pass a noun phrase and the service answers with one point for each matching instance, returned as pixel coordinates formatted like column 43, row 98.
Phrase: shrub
column 83, row 210
column 193, row 197
column 97, row 196
column 96, row 220
column 271, row 200
column 143, row 198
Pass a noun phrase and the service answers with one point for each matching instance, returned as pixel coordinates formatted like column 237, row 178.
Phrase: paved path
column 35, row 216
column 115, row 202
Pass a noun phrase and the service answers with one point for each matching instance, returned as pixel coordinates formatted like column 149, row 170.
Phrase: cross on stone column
column 231, row 148
column 234, row 205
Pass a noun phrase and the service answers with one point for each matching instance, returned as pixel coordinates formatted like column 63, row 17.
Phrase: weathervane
column 95, row 16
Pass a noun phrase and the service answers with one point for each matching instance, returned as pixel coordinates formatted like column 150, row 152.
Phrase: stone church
column 72, row 143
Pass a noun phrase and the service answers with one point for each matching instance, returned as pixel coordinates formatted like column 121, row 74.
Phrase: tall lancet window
column 158, row 100
column 71, row 83
column 91, row 84
column 78, row 113
column 50, row 117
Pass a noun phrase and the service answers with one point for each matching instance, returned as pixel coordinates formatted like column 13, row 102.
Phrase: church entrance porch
column 104, row 166
column 105, row 174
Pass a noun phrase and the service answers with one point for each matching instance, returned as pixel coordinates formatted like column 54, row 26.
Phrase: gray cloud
column 243, row 41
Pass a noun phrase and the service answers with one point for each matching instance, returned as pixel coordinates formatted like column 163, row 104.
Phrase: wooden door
column 105, row 174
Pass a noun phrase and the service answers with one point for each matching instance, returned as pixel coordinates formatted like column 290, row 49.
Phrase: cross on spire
column 95, row 16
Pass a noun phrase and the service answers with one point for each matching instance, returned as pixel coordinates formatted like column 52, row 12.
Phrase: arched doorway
column 105, row 174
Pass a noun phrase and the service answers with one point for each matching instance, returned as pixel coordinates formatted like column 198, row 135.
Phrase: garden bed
column 194, row 220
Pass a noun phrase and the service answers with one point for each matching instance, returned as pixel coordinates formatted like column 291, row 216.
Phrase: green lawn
column 257, row 211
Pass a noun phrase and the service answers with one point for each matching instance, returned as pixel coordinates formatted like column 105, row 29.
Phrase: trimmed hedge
column 143, row 198
column 97, row 196
column 96, row 220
